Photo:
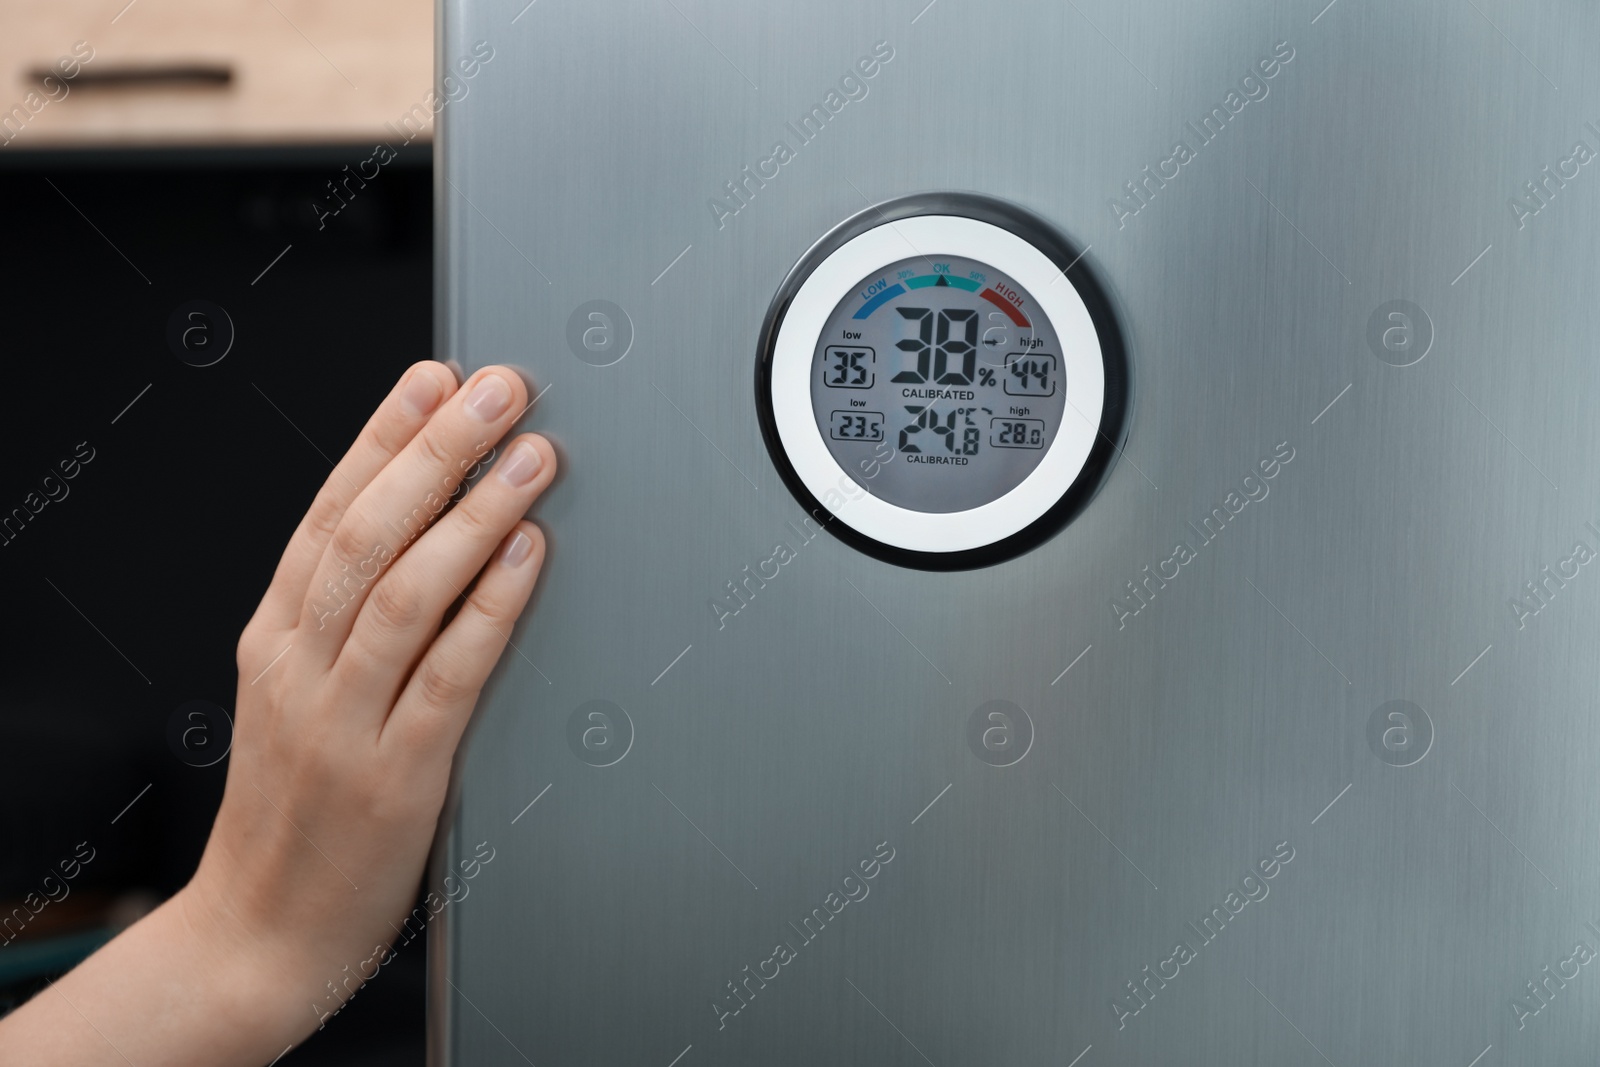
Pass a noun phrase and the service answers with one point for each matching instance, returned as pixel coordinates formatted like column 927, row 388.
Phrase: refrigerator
column 1074, row 535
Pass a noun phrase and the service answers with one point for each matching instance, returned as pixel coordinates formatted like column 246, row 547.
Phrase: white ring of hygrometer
column 1081, row 360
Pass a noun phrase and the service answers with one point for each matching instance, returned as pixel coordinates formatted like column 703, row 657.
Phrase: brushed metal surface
column 1224, row 722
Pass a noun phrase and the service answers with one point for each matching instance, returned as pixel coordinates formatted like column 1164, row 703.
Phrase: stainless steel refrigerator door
column 1310, row 772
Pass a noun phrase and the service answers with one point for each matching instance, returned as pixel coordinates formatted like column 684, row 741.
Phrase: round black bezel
column 1114, row 411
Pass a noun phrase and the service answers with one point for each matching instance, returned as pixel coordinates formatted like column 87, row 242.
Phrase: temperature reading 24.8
column 941, row 430
column 951, row 361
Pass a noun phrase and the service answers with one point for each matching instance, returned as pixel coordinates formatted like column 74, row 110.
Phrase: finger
column 403, row 612
column 418, row 393
column 401, row 502
column 433, row 709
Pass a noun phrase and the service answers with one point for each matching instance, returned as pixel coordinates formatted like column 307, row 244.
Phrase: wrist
column 263, row 983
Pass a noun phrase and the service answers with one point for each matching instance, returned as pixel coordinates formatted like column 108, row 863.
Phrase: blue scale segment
column 882, row 298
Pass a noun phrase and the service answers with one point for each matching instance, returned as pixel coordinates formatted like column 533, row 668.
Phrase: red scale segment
column 1008, row 307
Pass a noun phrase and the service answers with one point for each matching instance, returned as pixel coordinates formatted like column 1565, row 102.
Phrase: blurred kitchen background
column 210, row 274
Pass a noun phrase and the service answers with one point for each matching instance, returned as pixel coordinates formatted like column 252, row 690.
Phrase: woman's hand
column 353, row 693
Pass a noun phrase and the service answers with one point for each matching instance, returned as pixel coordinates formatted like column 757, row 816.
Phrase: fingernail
column 518, row 469
column 490, row 398
column 516, row 549
column 422, row 394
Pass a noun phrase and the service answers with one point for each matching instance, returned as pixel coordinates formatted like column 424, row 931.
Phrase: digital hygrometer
column 942, row 381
